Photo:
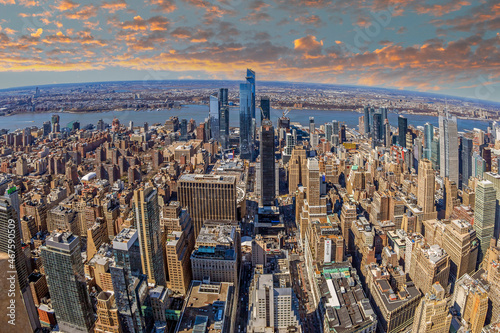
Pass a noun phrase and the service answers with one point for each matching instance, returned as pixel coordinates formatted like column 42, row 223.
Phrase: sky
column 449, row 47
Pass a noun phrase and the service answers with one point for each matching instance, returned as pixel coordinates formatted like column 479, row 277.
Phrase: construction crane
column 287, row 111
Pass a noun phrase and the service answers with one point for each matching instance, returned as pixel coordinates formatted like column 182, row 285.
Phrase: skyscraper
column 367, row 120
column 402, row 129
column 428, row 137
column 484, row 215
column 208, row 197
column 184, row 132
column 328, row 132
column 377, row 127
column 224, row 117
column 215, row 117
column 251, row 80
column 62, row 261
column 267, row 164
column 312, row 127
column 265, row 104
column 426, row 186
column 147, row 221
column 129, row 284
column 246, row 140
column 432, row 315
column 448, row 147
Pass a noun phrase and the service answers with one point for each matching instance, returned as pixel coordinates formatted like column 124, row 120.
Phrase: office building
column 179, row 245
column 484, row 215
column 208, row 308
column 62, row 260
column 129, row 284
column 394, row 304
column 428, row 137
column 215, row 109
column 426, row 186
column 297, row 169
column 467, row 146
column 147, row 222
column 107, row 314
column 429, row 264
column 476, row 308
column 432, row 315
column 267, row 164
column 246, row 137
column 337, row 283
column 216, row 253
column 402, row 130
column 271, row 305
column 448, row 148
column 224, row 117
column 265, row 105
column 312, row 127
column 367, row 120
column 183, row 129
column 208, row 197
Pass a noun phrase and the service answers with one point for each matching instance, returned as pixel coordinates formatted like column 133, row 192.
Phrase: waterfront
column 200, row 112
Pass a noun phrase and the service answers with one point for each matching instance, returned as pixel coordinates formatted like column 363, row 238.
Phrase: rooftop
column 205, row 308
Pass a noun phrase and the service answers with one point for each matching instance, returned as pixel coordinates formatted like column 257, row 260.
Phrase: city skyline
column 450, row 48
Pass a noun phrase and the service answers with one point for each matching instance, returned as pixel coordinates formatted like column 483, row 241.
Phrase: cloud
column 308, row 44
column 66, row 5
column 166, row 6
column 37, row 33
column 114, row 6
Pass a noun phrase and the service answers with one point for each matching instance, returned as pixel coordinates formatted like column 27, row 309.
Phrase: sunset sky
column 449, row 47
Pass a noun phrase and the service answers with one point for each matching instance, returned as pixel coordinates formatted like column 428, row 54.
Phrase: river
column 200, row 112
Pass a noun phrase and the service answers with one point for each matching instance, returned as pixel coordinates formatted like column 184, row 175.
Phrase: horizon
column 403, row 91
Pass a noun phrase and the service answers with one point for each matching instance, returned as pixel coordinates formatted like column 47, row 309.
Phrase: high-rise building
column 435, row 152
column 448, row 148
column 328, row 132
column 224, row 117
column 147, row 222
column 377, row 127
column 402, row 129
column 46, row 128
column 476, row 309
column 62, row 261
column 271, row 306
column 215, row 109
column 467, row 146
column 429, row 264
column 265, row 105
column 267, row 164
column 250, row 79
column 426, row 186
column 184, row 132
column 428, row 137
column 484, row 215
column 129, row 284
column 216, row 253
column 432, row 315
column 312, row 127
column 367, row 120
column 107, row 314
column 246, row 140
column 208, row 197
column 297, row 168
column 178, row 250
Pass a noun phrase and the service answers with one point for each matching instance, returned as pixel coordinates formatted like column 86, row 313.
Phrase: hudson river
column 200, row 112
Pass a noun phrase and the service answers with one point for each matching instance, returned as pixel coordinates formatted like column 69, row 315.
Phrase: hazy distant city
column 257, row 166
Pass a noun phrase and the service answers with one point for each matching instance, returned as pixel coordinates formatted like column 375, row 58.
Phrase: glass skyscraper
column 428, row 137
column 367, row 120
column 403, row 128
column 246, row 141
column 214, row 117
column 224, row 117
column 265, row 104
column 267, row 164
column 448, row 147
column 467, row 145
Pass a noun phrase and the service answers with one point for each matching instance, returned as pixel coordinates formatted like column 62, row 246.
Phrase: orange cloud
column 67, row 5
column 38, row 33
column 307, row 43
column 114, row 6
column 166, row 6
